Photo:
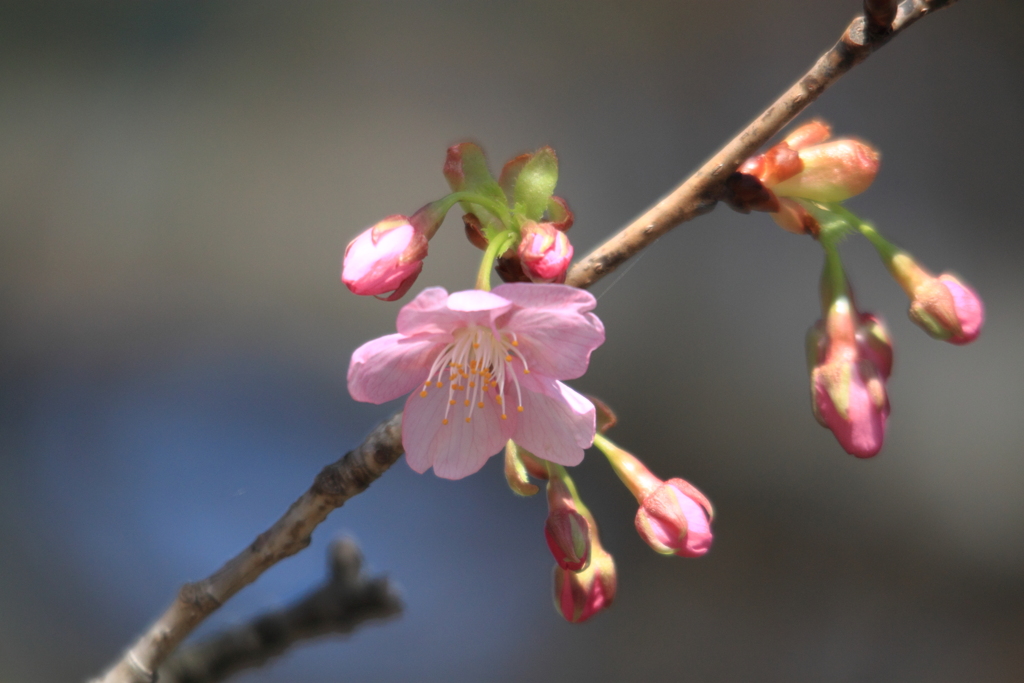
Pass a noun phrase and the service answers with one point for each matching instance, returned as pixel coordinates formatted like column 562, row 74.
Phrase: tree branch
column 338, row 482
column 343, row 603
column 335, row 484
column 699, row 193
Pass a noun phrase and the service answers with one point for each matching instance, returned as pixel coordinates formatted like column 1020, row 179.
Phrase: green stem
column 498, row 244
column 834, row 275
column 886, row 249
column 556, row 471
column 633, row 473
column 497, row 208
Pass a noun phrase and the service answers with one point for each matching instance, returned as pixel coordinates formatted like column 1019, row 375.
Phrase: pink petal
column 969, row 309
column 557, row 423
column 434, row 311
column 556, row 331
column 698, row 535
column 389, row 367
column 863, row 432
column 456, row 449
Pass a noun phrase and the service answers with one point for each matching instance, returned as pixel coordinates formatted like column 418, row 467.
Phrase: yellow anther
column 480, row 404
column 439, row 384
column 466, row 402
column 498, row 399
column 526, row 371
column 451, row 402
column 508, row 359
column 444, row 421
column 504, row 416
column 423, row 393
column 467, row 420
column 515, row 342
column 476, row 345
column 472, row 384
column 520, row 409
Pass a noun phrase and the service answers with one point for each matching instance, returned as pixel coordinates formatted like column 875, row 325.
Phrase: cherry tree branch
column 338, row 482
column 699, row 193
column 342, row 604
column 335, row 484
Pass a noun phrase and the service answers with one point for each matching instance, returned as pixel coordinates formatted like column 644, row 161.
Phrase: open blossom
column 387, row 257
column 483, row 368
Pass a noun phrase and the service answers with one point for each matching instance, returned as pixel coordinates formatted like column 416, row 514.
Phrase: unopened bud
column 385, row 258
column 832, row 171
column 566, row 534
column 567, row 530
column 942, row 306
column 544, row 252
column 848, row 379
column 673, row 522
column 580, row 595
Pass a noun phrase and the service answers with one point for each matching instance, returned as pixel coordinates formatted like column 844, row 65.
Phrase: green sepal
column 465, row 169
column 536, row 183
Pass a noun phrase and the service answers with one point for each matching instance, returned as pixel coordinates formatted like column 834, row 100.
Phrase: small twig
column 699, row 193
column 342, row 604
column 335, row 484
column 351, row 475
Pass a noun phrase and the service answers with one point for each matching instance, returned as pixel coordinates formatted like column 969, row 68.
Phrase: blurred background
column 178, row 182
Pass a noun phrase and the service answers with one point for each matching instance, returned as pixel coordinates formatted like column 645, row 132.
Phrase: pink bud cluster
column 850, row 358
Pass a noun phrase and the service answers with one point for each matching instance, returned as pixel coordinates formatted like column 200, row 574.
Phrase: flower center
column 477, row 363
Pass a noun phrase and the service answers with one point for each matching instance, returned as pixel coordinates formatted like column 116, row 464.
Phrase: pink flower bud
column 942, row 306
column 673, row 520
column 544, row 252
column 566, row 532
column 832, row 171
column 674, row 516
column 581, row 595
column 385, row 258
column 851, row 361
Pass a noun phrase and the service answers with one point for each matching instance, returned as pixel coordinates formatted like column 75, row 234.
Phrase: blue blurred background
column 178, row 182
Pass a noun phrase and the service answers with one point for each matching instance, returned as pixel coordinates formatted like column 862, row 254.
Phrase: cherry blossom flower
column 483, row 368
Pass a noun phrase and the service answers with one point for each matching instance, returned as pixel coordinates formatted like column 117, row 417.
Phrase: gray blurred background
column 178, row 182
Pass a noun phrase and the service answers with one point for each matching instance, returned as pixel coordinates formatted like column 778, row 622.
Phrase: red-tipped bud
column 581, row 595
column 942, row 306
column 385, row 258
column 567, row 531
column 544, row 252
column 851, row 361
column 832, row 171
column 675, row 520
column 566, row 534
